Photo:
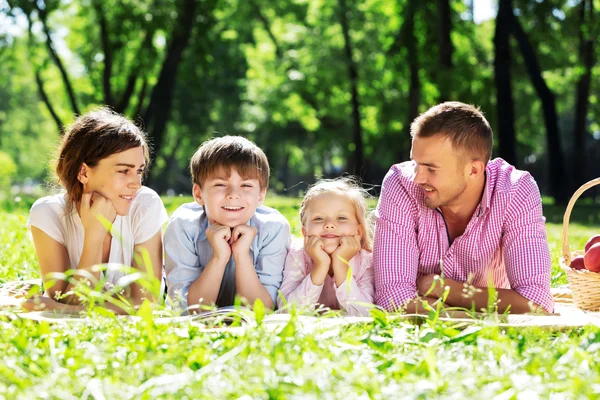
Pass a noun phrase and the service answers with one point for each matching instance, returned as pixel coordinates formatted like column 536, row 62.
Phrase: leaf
column 259, row 311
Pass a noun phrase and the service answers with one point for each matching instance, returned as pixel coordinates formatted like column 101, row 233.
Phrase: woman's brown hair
column 91, row 138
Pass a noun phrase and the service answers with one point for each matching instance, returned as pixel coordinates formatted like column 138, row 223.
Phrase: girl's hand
column 314, row 247
column 348, row 248
column 218, row 237
column 241, row 238
column 94, row 210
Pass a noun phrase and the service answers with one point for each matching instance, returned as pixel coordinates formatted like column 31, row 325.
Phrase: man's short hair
column 230, row 152
column 463, row 124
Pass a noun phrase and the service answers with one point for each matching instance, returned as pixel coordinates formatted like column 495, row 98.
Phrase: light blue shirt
column 188, row 251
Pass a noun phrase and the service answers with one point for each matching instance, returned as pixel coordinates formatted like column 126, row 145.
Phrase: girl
column 336, row 238
column 100, row 164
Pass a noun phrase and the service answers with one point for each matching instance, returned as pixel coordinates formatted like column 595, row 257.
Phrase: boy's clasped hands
column 226, row 241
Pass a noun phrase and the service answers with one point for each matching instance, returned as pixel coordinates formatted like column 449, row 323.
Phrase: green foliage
column 8, row 168
column 144, row 357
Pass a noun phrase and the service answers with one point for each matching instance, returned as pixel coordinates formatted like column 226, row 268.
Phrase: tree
column 503, row 81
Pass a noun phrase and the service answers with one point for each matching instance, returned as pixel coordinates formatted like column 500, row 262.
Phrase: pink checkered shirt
column 505, row 238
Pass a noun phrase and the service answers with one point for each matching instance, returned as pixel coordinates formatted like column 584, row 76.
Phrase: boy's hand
column 218, row 237
column 94, row 208
column 314, row 247
column 241, row 238
column 348, row 248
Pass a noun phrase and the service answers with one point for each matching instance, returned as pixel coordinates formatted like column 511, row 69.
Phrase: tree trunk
column 159, row 108
column 49, row 44
column 558, row 175
column 446, row 49
column 39, row 82
column 414, row 91
column 502, row 77
column 358, row 161
column 107, row 50
column 582, row 92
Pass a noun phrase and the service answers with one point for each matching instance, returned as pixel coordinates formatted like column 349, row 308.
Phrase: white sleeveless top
column 146, row 217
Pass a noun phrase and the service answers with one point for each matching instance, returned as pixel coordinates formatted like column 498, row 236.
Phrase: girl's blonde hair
column 347, row 186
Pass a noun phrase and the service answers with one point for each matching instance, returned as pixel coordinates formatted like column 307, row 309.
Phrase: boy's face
column 229, row 201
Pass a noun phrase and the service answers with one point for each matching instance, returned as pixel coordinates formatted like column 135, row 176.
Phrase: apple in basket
column 592, row 258
column 577, row 263
column 593, row 240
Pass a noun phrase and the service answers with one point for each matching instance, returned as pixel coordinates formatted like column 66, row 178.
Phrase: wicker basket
column 585, row 285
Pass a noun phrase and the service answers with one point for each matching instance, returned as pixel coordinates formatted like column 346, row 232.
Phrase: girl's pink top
column 353, row 297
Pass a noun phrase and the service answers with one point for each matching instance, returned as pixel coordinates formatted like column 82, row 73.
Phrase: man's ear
column 197, row 192
column 263, row 193
column 83, row 175
column 477, row 168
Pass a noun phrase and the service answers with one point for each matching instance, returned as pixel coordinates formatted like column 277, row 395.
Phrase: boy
column 226, row 242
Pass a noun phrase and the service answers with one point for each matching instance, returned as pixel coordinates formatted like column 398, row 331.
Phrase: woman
column 105, row 216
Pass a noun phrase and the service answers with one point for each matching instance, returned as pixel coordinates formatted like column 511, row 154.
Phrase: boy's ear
column 82, row 176
column 263, row 193
column 197, row 192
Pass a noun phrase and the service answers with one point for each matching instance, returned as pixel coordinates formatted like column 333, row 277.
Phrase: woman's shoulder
column 146, row 195
column 50, row 204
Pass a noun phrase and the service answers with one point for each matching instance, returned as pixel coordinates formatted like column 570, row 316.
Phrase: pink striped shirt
column 505, row 238
column 353, row 297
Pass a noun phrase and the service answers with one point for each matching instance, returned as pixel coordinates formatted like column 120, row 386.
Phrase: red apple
column 593, row 240
column 592, row 258
column 577, row 263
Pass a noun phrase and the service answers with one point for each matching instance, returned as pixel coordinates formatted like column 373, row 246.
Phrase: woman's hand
column 95, row 211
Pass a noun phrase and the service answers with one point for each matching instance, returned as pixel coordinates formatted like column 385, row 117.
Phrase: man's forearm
column 247, row 283
column 478, row 299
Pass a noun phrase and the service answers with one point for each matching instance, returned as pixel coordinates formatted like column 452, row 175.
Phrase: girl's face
column 117, row 177
column 331, row 216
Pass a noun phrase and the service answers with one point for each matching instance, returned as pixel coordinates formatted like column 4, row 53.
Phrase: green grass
column 123, row 358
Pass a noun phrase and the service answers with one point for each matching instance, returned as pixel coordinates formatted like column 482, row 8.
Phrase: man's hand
column 218, row 237
column 241, row 239
column 430, row 286
column 94, row 208
column 348, row 248
column 314, row 247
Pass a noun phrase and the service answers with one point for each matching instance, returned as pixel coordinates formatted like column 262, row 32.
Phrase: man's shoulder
column 398, row 185
column 505, row 178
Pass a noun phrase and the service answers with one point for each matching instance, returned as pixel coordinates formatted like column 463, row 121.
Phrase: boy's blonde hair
column 230, row 152
column 349, row 187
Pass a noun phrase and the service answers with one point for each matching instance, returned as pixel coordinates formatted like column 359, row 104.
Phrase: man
column 453, row 218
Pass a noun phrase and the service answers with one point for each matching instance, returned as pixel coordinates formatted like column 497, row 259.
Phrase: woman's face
column 117, row 178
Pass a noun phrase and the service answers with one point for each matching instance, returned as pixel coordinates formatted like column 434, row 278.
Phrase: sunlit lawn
column 122, row 358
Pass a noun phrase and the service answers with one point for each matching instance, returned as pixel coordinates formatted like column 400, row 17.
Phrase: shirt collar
column 484, row 205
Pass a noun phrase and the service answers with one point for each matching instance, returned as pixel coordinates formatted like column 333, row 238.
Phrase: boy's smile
column 228, row 198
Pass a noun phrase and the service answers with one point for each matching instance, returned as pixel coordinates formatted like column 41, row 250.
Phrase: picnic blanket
column 566, row 315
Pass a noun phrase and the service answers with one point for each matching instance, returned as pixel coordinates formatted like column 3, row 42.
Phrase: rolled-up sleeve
column 182, row 263
column 395, row 250
column 271, row 256
column 525, row 246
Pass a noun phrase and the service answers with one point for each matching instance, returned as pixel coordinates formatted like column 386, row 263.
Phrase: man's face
column 441, row 170
column 229, row 200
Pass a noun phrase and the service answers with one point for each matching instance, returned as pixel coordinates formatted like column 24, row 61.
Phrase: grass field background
column 110, row 357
